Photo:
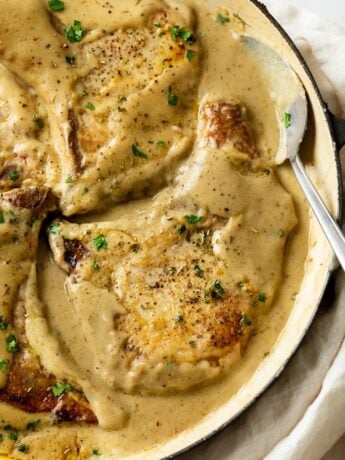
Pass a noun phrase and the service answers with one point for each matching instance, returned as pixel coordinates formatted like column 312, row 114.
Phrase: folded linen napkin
column 302, row 416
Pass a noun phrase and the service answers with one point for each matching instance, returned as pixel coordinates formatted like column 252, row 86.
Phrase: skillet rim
column 329, row 119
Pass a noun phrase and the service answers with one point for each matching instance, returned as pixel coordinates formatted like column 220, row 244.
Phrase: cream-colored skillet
column 324, row 138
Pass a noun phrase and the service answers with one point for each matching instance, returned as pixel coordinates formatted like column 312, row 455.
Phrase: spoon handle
column 330, row 227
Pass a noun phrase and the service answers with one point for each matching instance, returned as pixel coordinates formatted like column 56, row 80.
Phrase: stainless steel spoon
column 289, row 96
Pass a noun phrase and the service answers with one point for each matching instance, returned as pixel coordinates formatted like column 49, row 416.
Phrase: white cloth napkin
column 302, row 416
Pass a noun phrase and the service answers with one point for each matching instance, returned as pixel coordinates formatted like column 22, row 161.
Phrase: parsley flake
column 70, row 59
column 182, row 33
column 23, row 448
column 38, row 120
column 96, row 452
column 222, row 19
column 95, row 265
column 245, row 320
column 138, row 153
column 199, row 272
column 54, row 229
column 2, row 219
column 75, row 32
column 90, row 106
column 3, row 324
column 56, row 5
column 161, row 144
column 12, row 345
column 217, row 291
column 33, row 425
column 100, row 242
column 192, row 219
column 59, row 388
column 262, row 297
column 287, row 120
column 1, row 437
column 13, row 435
column 13, row 175
column 69, row 180
column 3, row 365
column 172, row 98
column 86, row 190
column 190, row 54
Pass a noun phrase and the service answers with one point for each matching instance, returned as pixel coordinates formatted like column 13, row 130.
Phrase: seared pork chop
column 185, row 303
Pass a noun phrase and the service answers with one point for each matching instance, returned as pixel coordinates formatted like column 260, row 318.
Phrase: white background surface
column 333, row 10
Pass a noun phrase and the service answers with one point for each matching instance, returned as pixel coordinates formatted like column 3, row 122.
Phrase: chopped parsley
column 3, row 324
column 138, row 153
column 59, row 388
column 86, row 190
column 3, row 365
column 75, row 32
column 182, row 229
column 2, row 219
column 222, row 19
column 182, row 33
column 13, row 175
column 95, row 265
column 23, row 448
column 90, row 106
column 38, row 121
column 33, row 425
column 1, row 437
column 100, row 243
column 172, row 98
column 12, row 345
column 96, row 452
column 190, row 54
column 179, row 319
column 217, row 291
column 287, row 120
column 192, row 219
column 170, row 365
column 161, row 143
column 54, row 229
column 262, row 297
column 56, row 5
column 245, row 320
column 69, row 180
column 84, row 93
column 34, row 219
column 7, row 427
column 70, row 59
column 199, row 272
column 13, row 435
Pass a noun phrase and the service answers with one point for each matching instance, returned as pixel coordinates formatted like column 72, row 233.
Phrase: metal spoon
column 290, row 99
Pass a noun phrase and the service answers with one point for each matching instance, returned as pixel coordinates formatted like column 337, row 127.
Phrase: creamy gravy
column 141, row 421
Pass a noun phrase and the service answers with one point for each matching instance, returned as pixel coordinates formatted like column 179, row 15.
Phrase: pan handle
column 339, row 130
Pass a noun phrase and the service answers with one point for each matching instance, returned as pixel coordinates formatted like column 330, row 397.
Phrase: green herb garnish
column 56, row 5
column 217, row 290
column 262, row 297
column 33, row 425
column 192, row 219
column 2, row 219
column 245, row 320
column 54, row 229
column 100, row 243
column 182, row 33
column 90, row 106
column 170, row 365
column 199, row 272
column 190, row 54
column 38, row 120
column 1, row 437
column 23, row 448
column 74, row 32
column 13, row 435
column 138, row 153
column 3, row 365
column 3, row 324
column 95, row 265
column 287, row 120
column 172, row 98
column 59, row 388
column 12, row 345
column 13, row 175
column 182, row 229
column 86, row 190
column 69, row 180
column 161, row 144
column 70, row 59
column 222, row 19
column 96, row 452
